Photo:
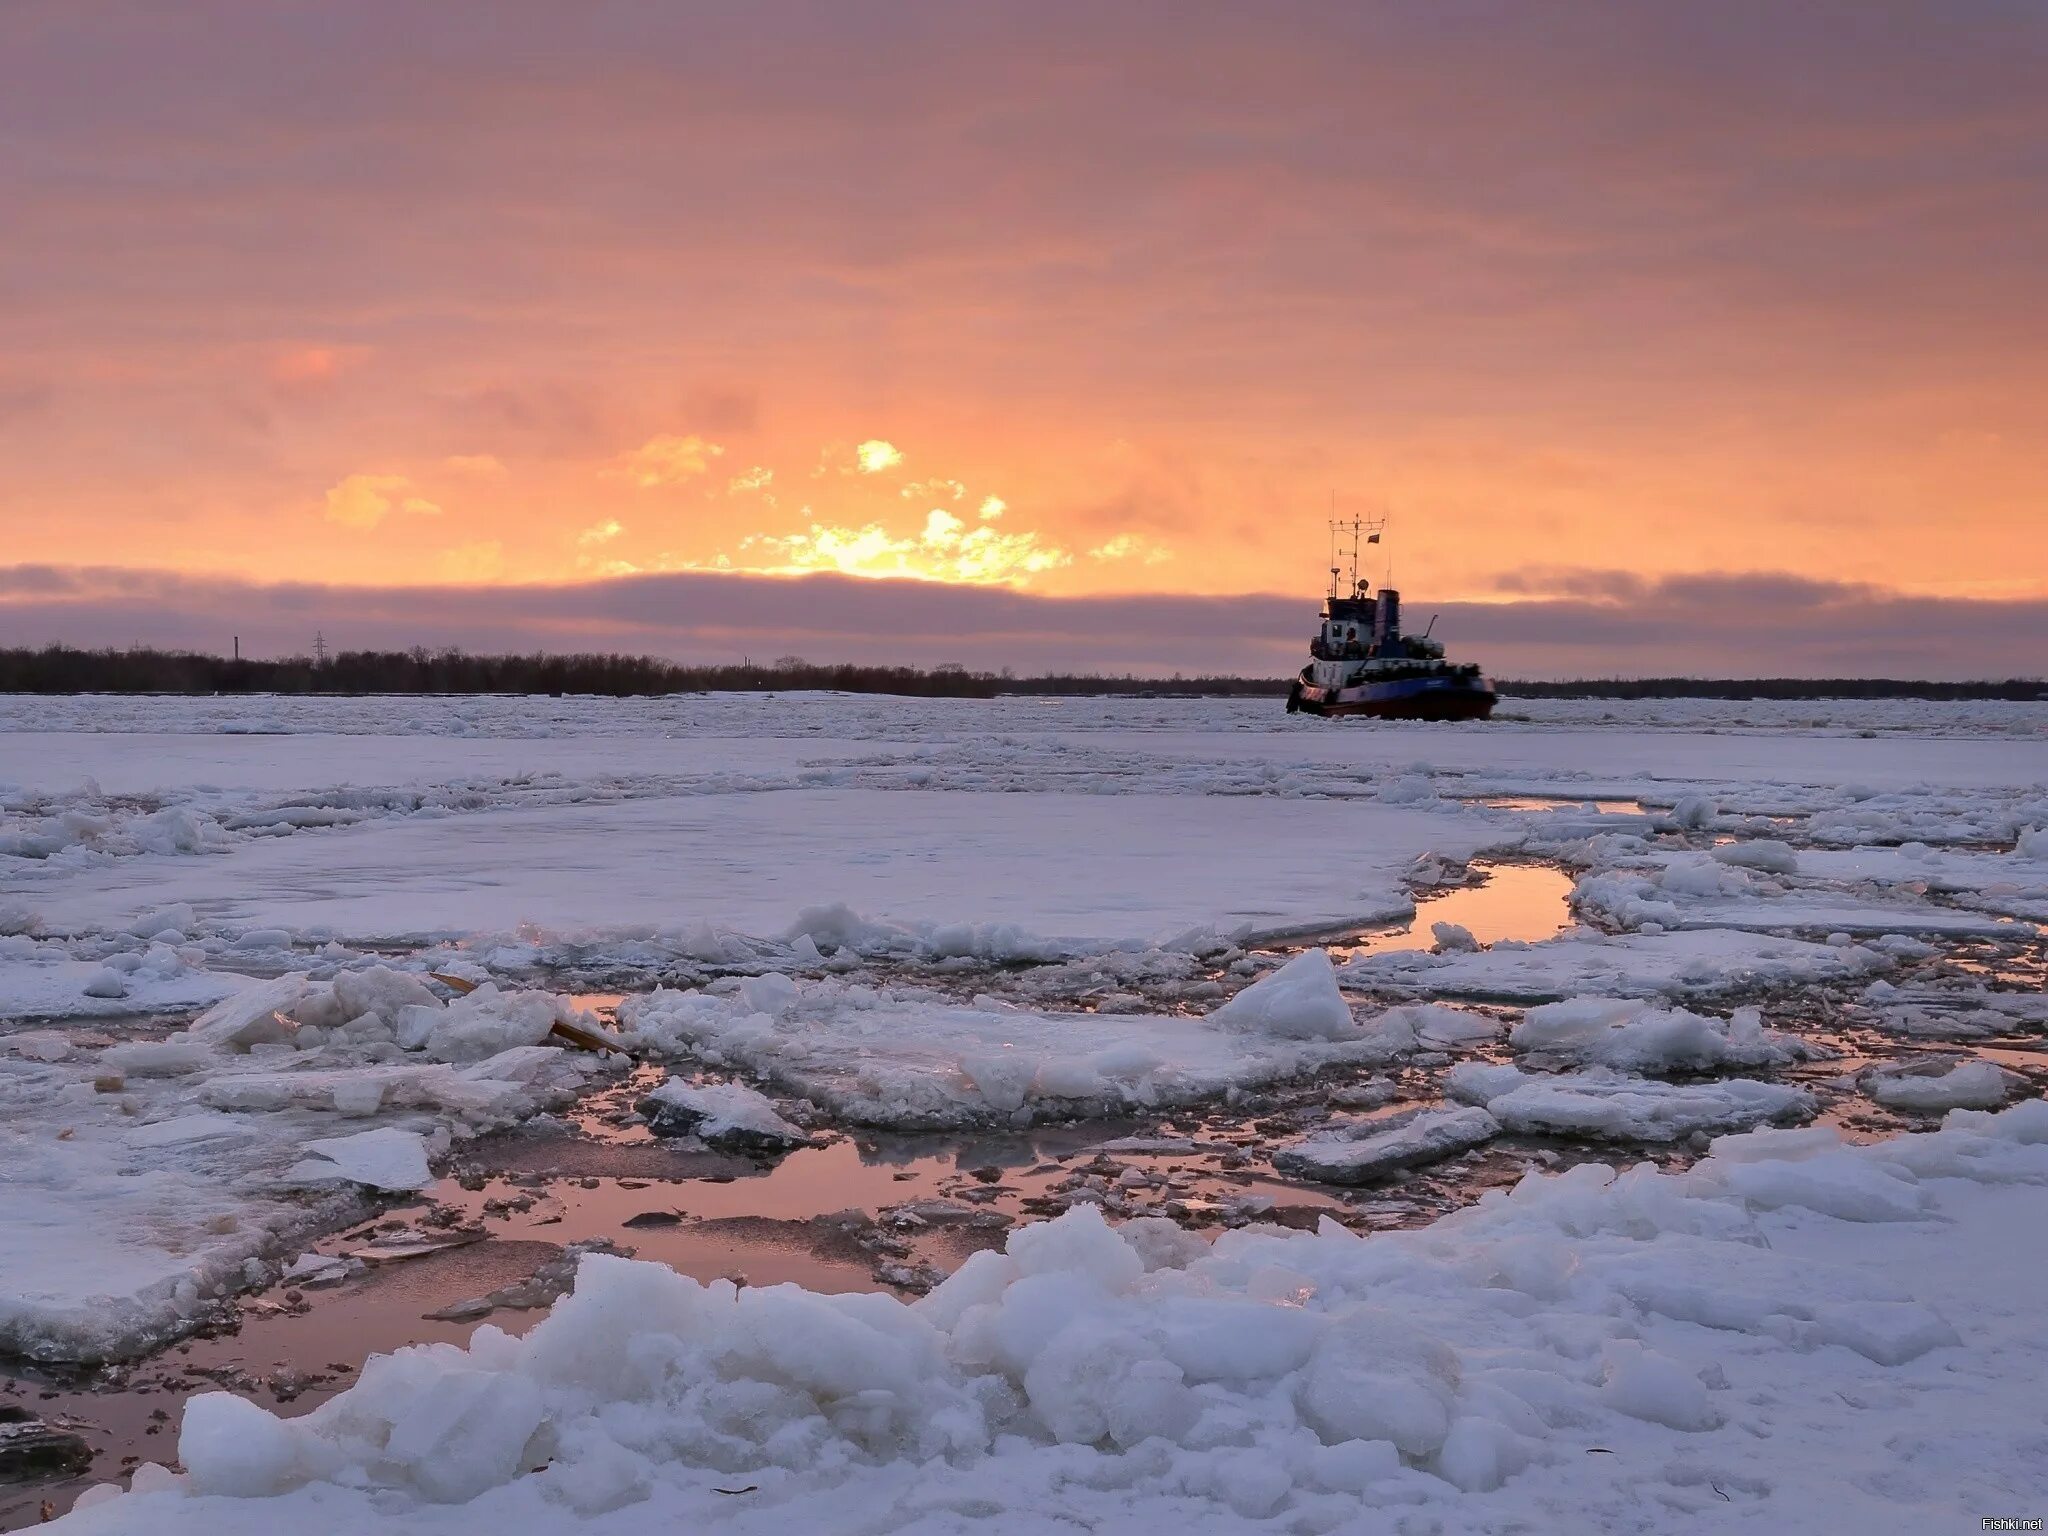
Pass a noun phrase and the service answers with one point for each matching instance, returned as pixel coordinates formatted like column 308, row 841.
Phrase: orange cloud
column 479, row 560
column 1129, row 546
column 875, row 455
column 666, row 460
column 944, row 549
column 364, row 501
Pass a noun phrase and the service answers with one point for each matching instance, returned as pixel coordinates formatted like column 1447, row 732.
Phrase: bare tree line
column 63, row 669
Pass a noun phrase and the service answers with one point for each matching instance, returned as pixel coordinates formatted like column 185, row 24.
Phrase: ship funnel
column 1386, row 622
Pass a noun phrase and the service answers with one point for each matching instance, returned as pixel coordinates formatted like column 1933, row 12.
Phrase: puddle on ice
column 1505, row 901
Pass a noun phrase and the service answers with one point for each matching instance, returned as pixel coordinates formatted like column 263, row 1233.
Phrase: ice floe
column 902, row 1057
column 1631, row 1036
column 1605, row 1105
column 1692, row 963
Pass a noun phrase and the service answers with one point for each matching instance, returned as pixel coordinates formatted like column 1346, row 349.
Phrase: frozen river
column 1194, row 966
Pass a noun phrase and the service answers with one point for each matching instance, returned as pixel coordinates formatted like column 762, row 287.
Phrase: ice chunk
column 106, row 982
column 772, row 993
column 318, row 1269
column 249, row 1017
column 1479, row 1454
column 375, row 991
column 1356, row 1152
column 1441, row 1028
column 232, row 1447
column 1965, row 1085
column 720, row 1115
column 1771, row 857
column 179, row 916
column 1300, row 1001
column 175, row 1057
column 38, row 1045
column 1379, row 1377
column 1646, row 1385
column 1453, row 938
column 1690, row 963
column 385, row 1158
column 486, row 1022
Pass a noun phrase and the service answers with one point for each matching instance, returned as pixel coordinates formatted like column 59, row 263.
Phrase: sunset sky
column 1097, row 303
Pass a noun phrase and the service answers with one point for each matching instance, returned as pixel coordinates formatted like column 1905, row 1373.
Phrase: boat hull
column 1415, row 698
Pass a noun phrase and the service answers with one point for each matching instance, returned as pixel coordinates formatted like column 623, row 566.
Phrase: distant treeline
column 60, row 669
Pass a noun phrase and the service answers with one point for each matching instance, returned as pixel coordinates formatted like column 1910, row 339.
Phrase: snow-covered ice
column 1794, row 1334
column 752, row 862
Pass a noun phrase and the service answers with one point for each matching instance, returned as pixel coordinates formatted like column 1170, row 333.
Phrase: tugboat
column 1364, row 665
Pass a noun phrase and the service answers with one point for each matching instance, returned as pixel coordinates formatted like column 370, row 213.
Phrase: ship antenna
column 1333, row 543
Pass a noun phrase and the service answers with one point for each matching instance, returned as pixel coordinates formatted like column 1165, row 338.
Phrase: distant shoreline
column 62, row 670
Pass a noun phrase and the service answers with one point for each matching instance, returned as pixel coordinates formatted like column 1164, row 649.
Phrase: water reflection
column 1510, row 901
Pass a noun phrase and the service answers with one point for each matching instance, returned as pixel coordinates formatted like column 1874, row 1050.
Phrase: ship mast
column 1362, row 530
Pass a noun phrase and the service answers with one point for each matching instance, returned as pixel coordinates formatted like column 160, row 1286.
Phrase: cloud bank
column 1585, row 623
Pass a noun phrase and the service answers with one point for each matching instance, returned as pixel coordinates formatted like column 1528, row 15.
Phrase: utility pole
column 238, row 647
column 319, row 649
